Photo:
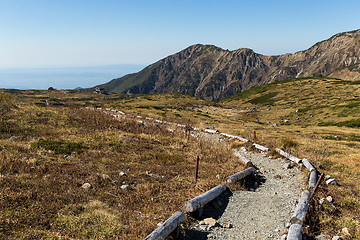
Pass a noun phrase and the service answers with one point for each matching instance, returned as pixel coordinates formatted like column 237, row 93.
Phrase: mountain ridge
column 212, row 73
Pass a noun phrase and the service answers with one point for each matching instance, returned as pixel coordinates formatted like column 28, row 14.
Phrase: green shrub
column 59, row 147
column 264, row 99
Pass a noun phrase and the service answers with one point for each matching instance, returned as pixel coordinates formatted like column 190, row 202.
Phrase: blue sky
column 56, row 33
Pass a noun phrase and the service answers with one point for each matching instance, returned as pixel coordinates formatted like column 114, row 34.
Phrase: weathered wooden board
column 295, row 232
column 308, row 165
column 288, row 155
column 260, row 147
column 240, row 175
column 167, row 227
column 312, row 179
column 301, row 209
column 210, row 131
column 201, row 200
column 244, row 160
column 235, row 137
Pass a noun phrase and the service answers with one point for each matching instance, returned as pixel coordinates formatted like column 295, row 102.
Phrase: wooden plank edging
column 288, row 155
column 295, row 232
column 308, row 165
column 244, row 160
column 233, row 136
column 312, row 179
column 301, row 209
column 167, row 227
column 203, row 199
column 240, row 175
column 260, row 147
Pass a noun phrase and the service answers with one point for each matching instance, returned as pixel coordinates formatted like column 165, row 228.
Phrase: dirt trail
column 262, row 211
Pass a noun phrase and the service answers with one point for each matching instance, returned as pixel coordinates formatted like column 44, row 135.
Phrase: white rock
column 208, row 221
column 345, row 231
column 327, row 177
column 331, row 181
column 122, row 173
column 125, row 187
column 86, row 186
column 329, row 199
column 321, row 201
column 336, row 238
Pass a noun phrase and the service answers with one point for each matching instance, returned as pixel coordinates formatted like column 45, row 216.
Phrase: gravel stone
column 262, row 212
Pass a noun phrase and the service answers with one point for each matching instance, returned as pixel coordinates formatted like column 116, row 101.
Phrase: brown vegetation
column 53, row 150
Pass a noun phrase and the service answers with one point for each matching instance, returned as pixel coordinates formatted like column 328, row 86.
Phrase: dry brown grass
column 41, row 193
column 322, row 118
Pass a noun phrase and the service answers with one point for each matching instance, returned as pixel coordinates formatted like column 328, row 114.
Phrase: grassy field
column 314, row 118
column 62, row 168
column 51, row 145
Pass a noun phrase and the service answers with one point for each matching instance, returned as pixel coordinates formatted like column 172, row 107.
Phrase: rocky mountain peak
column 212, row 73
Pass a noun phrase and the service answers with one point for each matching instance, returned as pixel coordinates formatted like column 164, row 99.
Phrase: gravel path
column 262, row 211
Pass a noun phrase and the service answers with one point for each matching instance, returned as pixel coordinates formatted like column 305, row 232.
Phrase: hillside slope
column 212, row 73
column 350, row 73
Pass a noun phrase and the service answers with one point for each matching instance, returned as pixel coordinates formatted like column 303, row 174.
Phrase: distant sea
column 64, row 77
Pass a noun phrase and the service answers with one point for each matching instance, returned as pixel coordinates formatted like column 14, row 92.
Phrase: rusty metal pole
column 317, row 185
column 197, row 168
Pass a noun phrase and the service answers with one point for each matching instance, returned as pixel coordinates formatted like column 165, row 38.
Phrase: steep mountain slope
column 350, row 73
column 212, row 73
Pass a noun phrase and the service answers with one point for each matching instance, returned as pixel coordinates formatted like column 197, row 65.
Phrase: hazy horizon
column 69, row 77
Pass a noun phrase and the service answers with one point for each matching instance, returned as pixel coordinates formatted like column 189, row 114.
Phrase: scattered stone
column 323, row 237
column 125, row 187
column 286, row 121
column 331, row 181
column 117, row 182
column 227, row 225
column 321, row 201
column 327, row 177
column 14, row 137
column 208, row 221
column 345, row 232
column 274, row 125
column 336, row 238
column 122, row 174
column 86, row 186
column 105, row 177
column 329, row 199
column 218, row 176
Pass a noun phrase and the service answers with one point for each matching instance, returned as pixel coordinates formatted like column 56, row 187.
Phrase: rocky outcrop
column 350, row 73
column 212, row 73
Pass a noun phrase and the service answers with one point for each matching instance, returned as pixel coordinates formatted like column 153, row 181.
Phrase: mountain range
column 212, row 73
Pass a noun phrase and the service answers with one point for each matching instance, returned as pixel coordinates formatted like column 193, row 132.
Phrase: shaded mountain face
column 212, row 73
